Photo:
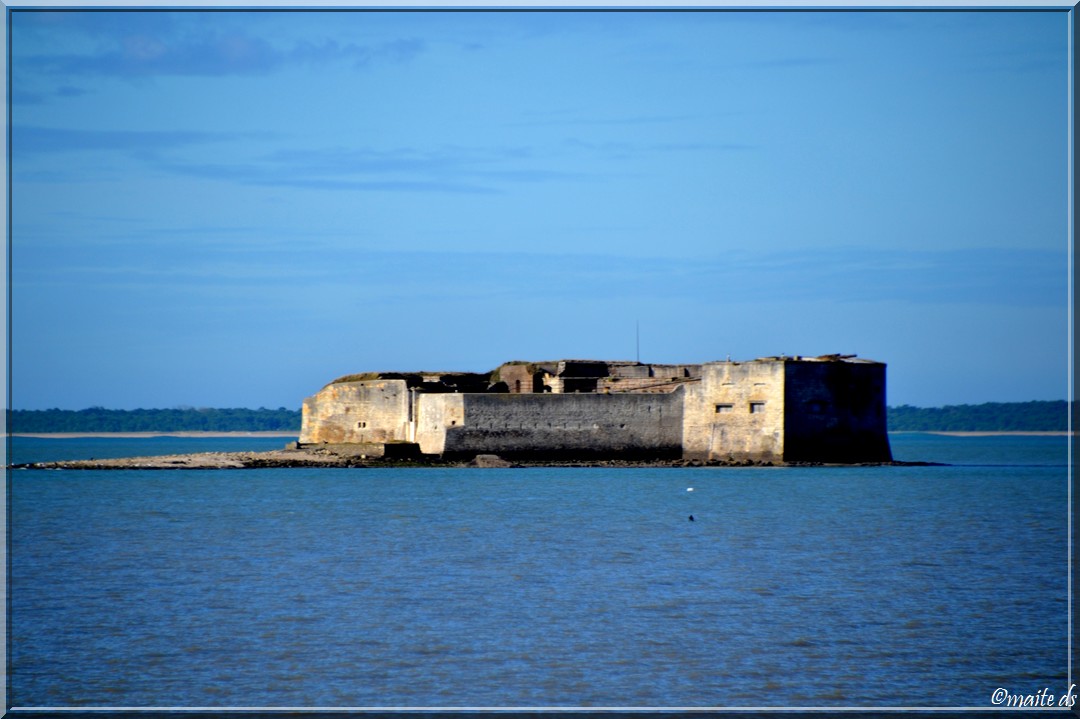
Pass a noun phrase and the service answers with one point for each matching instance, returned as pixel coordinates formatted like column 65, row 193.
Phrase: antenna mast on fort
column 637, row 339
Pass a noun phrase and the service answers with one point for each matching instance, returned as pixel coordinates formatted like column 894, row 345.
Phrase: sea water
column 537, row 587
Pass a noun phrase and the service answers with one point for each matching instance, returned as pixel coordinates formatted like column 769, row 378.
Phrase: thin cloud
column 22, row 96
column 789, row 63
column 342, row 160
column 452, row 170
column 148, row 55
column 19, row 96
column 994, row 278
column 577, row 120
column 35, row 140
column 622, row 150
column 222, row 54
column 376, row 185
column 990, row 276
column 1002, row 277
column 444, row 169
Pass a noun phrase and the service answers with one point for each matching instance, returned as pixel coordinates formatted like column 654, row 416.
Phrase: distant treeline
column 99, row 419
column 988, row 417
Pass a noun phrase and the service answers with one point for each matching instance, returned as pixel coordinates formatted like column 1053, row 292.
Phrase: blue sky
column 232, row 208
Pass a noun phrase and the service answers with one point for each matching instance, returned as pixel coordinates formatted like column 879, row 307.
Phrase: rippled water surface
column 903, row 586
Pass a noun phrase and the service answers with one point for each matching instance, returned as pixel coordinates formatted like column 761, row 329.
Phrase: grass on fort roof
column 370, row 376
column 362, row 377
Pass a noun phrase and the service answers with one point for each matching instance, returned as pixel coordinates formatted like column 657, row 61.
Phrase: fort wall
column 773, row 409
column 357, row 412
column 836, row 412
column 520, row 378
column 435, row 415
column 736, row 412
column 566, row 426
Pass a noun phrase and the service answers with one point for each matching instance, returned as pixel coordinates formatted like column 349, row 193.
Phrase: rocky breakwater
column 341, row 456
column 320, row 456
column 283, row 458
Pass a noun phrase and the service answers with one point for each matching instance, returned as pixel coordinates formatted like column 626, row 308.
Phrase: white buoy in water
column 689, row 489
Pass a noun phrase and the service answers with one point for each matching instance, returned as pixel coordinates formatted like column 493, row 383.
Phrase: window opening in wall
column 722, row 408
column 757, row 407
column 361, row 425
column 517, row 386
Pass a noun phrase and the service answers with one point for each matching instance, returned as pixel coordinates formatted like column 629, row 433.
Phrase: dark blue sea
column 793, row 587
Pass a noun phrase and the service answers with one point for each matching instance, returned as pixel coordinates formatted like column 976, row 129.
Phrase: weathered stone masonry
column 774, row 409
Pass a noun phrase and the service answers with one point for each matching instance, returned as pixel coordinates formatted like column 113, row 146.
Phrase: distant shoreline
column 145, row 435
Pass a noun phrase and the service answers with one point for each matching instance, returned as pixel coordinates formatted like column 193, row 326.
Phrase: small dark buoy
column 691, row 518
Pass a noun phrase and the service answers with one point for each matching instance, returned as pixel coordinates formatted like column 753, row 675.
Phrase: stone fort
column 782, row 409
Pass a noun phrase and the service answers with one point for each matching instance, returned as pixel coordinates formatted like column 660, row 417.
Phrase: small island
column 770, row 411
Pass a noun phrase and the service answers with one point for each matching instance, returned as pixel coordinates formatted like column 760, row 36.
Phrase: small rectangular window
column 757, row 407
column 721, row 408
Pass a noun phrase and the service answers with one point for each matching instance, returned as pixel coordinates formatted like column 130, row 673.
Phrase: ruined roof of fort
column 408, row 376
column 552, row 365
column 820, row 358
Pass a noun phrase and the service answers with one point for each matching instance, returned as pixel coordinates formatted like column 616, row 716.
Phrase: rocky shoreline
column 322, row 457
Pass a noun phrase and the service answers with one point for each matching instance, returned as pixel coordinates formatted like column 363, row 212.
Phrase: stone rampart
column 836, row 412
column 357, row 412
column 435, row 414
column 567, row 425
column 736, row 412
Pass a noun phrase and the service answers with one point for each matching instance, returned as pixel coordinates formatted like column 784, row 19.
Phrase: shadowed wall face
column 835, row 412
column 567, row 426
